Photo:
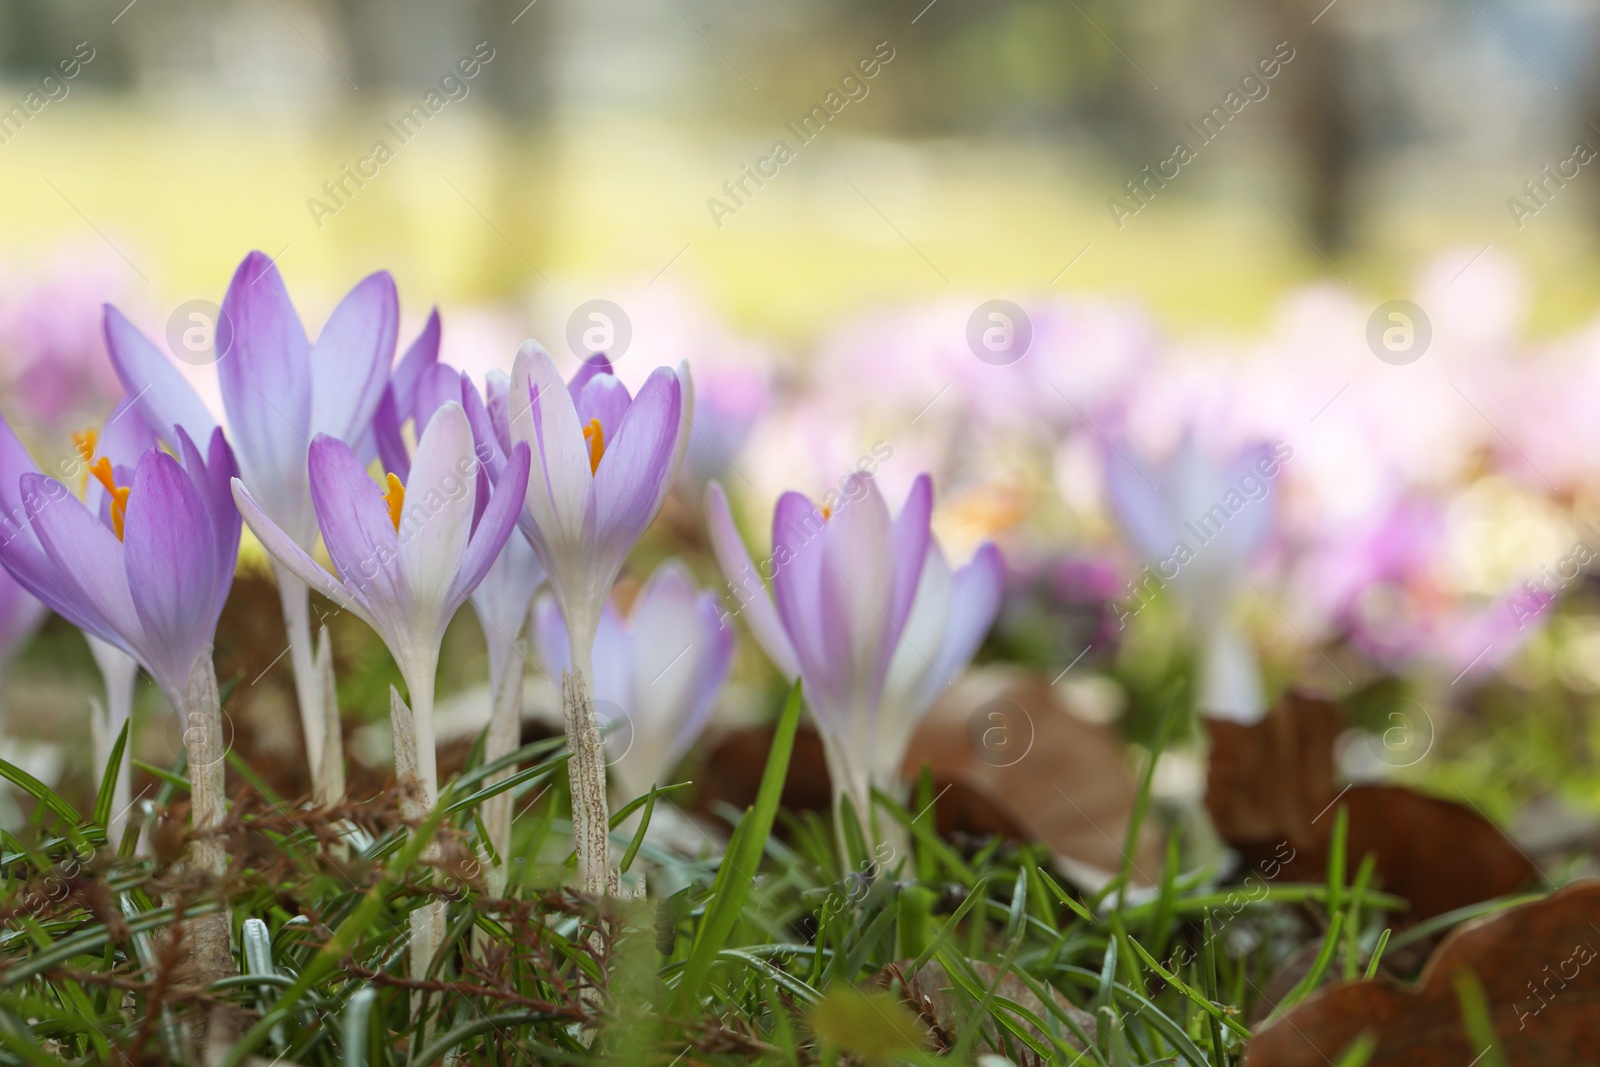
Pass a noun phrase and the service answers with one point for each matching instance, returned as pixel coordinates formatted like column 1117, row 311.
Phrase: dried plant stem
column 308, row 687
column 208, row 955
column 329, row 783
column 586, row 771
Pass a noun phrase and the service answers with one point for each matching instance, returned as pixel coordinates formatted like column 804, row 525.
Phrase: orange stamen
column 827, row 512
column 395, row 498
column 119, row 494
column 85, row 443
column 596, row 438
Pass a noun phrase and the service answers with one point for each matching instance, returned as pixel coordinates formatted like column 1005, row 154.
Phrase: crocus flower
column 605, row 460
column 421, row 386
column 150, row 573
column 407, row 558
column 868, row 615
column 660, row 669
column 278, row 391
column 1198, row 522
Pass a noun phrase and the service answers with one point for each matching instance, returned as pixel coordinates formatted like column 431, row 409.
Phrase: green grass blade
column 950, row 925
column 737, row 873
column 1377, row 953
column 108, row 780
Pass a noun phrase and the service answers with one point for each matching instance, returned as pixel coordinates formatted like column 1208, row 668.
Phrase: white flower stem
column 415, row 763
column 850, row 780
column 586, row 770
column 505, row 730
column 296, row 600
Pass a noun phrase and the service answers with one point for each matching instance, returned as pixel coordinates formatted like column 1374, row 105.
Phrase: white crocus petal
column 668, row 649
column 915, row 665
column 558, row 490
column 436, row 519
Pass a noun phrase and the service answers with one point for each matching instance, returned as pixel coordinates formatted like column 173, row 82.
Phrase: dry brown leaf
column 1272, row 783
column 735, row 761
column 1538, row 964
column 1019, row 764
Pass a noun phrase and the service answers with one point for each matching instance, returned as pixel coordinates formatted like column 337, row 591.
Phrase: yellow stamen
column 395, row 498
column 596, row 437
column 85, row 443
column 119, row 494
column 827, row 512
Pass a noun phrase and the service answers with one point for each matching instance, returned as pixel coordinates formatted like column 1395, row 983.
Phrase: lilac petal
column 912, row 534
column 1143, row 508
column 975, row 592
column 550, row 638
column 592, row 367
column 440, row 384
column 614, row 679
column 420, row 355
column 356, row 527
column 858, row 592
column 666, row 646
column 212, row 478
column 798, row 535
column 14, row 463
column 750, row 594
column 436, row 520
column 496, row 395
column 171, row 568
column 541, row 413
column 88, row 582
column 714, row 666
column 499, row 519
column 390, row 441
column 485, row 439
column 165, row 398
column 283, row 548
column 605, row 399
column 266, row 388
column 633, row 475
column 350, row 361
column 126, row 435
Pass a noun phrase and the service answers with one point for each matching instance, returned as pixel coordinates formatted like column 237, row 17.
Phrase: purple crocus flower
column 604, row 462
column 150, row 573
column 659, row 670
column 408, row 558
column 278, row 391
column 1199, row 521
column 868, row 615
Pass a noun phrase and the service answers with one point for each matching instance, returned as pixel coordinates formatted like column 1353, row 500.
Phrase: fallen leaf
column 1538, row 964
column 1011, row 759
column 1271, row 788
column 734, row 762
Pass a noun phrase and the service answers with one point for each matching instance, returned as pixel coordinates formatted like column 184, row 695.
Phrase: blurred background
column 1201, row 208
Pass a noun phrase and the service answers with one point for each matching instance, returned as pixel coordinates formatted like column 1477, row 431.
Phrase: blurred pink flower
column 53, row 365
